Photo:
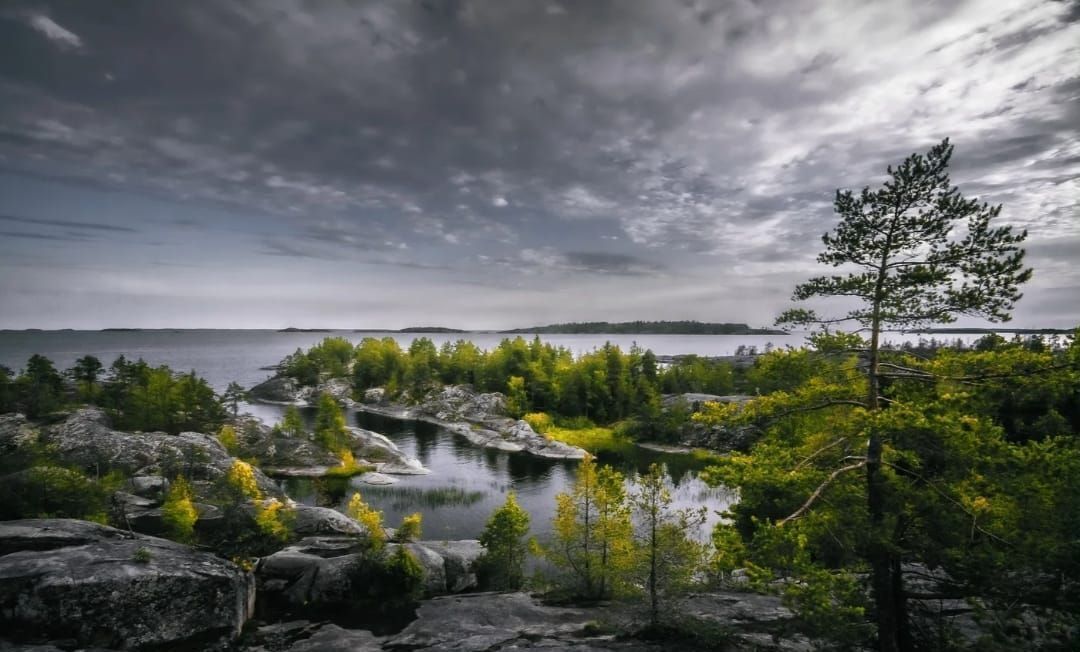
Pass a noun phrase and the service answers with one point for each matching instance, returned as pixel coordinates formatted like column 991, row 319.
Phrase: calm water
column 467, row 483
column 222, row 356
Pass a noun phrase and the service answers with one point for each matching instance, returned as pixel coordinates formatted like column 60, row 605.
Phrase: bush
column 141, row 555
column 410, row 528
column 348, row 467
column 370, row 518
column 227, row 437
column 502, row 566
column 178, row 512
column 541, row 422
column 54, row 492
column 403, row 576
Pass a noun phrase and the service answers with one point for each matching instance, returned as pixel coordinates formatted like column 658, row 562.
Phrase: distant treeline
column 649, row 328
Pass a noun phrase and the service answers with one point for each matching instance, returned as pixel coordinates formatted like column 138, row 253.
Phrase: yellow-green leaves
column 178, row 512
column 370, row 518
column 503, row 565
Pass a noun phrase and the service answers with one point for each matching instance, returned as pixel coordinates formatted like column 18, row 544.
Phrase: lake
column 466, row 482
column 222, row 356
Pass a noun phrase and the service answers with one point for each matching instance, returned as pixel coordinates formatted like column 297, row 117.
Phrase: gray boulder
column 85, row 440
column 463, row 403
column 384, row 453
column 282, row 390
column 502, row 621
column 304, row 636
column 309, row 520
column 93, row 585
column 328, row 571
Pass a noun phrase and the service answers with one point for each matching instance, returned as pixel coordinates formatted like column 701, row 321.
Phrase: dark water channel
column 468, row 482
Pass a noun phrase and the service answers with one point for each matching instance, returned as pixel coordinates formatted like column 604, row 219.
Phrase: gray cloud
column 617, row 141
column 92, row 226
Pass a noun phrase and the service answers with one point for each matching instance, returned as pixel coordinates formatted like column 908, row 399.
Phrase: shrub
column 539, row 421
column 141, row 555
column 178, row 512
column 227, row 437
column 348, row 466
column 503, row 563
column 274, row 519
column 370, row 518
column 53, row 492
column 404, row 576
column 410, row 528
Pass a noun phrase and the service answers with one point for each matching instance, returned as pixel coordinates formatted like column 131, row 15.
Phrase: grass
column 595, row 439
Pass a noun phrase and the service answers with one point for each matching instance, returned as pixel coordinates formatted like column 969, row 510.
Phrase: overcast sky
column 502, row 163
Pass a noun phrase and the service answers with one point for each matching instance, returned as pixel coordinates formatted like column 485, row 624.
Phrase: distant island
column 1015, row 331
column 431, row 329
column 293, row 329
column 648, row 328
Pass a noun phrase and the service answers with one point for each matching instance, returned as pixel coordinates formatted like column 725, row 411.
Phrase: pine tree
column 668, row 556
column 592, row 532
column 503, row 538
column 922, row 254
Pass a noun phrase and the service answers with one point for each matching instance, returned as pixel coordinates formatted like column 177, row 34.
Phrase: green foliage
column 86, row 372
column 370, row 518
column 274, row 519
column 540, row 422
column 240, row 481
column 517, row 400
column 39, row 389
column 691, row 373
column 178, row 511
column 595, row 439
column 667, row 557
column 227, row 436
column 603, row 386
column 410, row 529
column 935, row 487
column 383, row 582
column 591, row 544
column 140, row 397
column 405, row 575
column 8, row 391
column 234, row 395
column 48, row 491
column 502, row 566
column 348, row 466
column 925, row 253
column 142, row 555
column 330, row 432
column 292, row 423
column 250, row 526
column 332, row 357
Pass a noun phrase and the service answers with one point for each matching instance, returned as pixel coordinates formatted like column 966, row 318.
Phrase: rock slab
column 102, row 587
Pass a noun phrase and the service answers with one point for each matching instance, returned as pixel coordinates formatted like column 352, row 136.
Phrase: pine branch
column 817, row 492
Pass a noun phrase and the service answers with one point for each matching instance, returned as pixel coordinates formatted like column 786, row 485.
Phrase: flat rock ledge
column 92, row 585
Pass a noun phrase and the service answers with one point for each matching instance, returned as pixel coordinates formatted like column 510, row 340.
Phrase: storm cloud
column 497, row 163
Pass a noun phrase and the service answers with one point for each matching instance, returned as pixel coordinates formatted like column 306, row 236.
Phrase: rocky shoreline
column 479, row 417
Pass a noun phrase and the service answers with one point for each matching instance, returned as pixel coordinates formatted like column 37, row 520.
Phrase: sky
column 503, row 163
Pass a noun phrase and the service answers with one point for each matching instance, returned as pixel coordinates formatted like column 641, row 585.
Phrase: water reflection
column 467, row 482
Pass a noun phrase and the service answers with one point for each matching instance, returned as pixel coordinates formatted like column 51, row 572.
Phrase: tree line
column 137, row 395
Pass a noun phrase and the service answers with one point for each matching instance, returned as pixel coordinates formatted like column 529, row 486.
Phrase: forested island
column 647, row 328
